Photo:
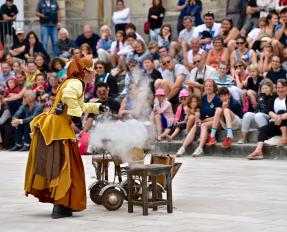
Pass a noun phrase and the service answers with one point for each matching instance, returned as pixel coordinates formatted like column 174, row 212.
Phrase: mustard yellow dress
column 55, row 171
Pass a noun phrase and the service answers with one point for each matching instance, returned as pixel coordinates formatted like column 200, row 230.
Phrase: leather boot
column 60, row 211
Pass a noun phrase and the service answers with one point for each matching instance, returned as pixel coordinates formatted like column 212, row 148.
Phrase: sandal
column 255, row 156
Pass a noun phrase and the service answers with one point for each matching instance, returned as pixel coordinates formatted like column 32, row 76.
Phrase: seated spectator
column 5, row 73
column 101, row 96
column 278, row 123
column 22, row 118
column 256, row 33
column 210, row 26
column 228, row 116
column 1, row 52
column 252, row 84
column 284, row 61
column 41, row 63
column 223, row 80
column 229, row 33
column 53, row 84
column 180, row 118
column 240, row 74
column 16, row 67
column 11, row 87
column 9, row 60
column 86, row 51
column 276, row 72
column 104, row 44
column 40, row 86
column 88, row 37
column 200, row 73
column 210, row 102
column 195, row 49
column 121, row 17
column 33, row 46
column 165, row 36
column 242, row 52
column 117, row 46
column 76, row 53
column 154, row 51
column 186, row 35
column 260, row 115
column 252, row 14
column 65, row 44
column 218, row 53
column 151, row 72
column 195, row 104
column 31, row 71
column 103, row 76
column 140, row 52
column 174, row 78
column 156, row 15
column 6, row 130
column 18, row 47
column 131, row 28
column 21, row 79
column 265, row 58
column 162, row 114
column 58, row 66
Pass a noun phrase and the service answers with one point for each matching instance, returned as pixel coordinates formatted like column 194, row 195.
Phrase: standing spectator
column 64, row 44
column 155, row 16
column 88, row 37
column 235, row 10
column 121, row 17
column 5, row 73
column 22, row 118
column 33, row 46
column 277, row 110
column 50, row 20
column 191, row 8
column 8, row 14
column 18, row 47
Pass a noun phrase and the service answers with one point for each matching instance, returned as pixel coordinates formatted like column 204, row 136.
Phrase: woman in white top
column 121, row 17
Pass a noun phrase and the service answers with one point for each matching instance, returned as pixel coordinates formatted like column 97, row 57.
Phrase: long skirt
column 55, row 173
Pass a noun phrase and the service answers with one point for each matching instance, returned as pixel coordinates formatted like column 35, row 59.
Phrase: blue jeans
column 22, row 131
column 51, row 31
column 154, row 34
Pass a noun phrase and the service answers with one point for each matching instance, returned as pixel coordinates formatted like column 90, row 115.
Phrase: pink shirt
column 165, row 109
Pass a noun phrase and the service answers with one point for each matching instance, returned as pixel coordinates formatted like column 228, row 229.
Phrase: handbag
column 147, row 27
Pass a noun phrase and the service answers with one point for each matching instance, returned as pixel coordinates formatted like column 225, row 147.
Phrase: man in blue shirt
column 276, row 72
column 5, row 73
column 48, row 11
column 22, row 118
column 229, row 116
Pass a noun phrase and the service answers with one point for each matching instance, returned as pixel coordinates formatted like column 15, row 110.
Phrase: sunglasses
column 240, row 42
column 238, row 66
column 196, row 61
column 167, row 62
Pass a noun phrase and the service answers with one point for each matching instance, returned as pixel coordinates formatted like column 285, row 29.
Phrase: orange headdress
column 77, row 67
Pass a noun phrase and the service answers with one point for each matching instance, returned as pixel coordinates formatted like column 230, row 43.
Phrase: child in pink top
column 162, row 112
column 181, row 116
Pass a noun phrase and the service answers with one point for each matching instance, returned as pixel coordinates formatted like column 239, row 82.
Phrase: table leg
column 130, row 199
column 154, row 192
column 144, row 194
column 169, row 193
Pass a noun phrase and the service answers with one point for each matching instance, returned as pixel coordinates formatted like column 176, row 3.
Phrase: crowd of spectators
column 207, row 76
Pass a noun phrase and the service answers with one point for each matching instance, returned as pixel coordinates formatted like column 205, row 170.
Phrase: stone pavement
column 210, row 194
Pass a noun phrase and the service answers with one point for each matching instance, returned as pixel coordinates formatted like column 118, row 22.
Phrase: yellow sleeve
column 72, row 96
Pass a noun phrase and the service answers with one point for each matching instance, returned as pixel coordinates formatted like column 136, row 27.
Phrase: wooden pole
column 100, row 12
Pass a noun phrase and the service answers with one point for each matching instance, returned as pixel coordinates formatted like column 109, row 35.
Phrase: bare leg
column 190, row 123
column 165, row 133
column 175, row 133
column 217, row 117
column 189, row 137
column 157, row 120
column 229, row 116
column 205, row 127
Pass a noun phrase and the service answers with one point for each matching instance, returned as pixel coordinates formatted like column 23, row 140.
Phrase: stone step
column 251, row 136
column 236, row 150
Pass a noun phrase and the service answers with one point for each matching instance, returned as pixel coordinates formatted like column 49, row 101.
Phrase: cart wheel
column 95, row 190
column 136, row 186
column 158, row 193
column 112, row 199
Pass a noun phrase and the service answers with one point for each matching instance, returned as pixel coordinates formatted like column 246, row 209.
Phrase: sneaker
column 15, row 148
column 211, row 141
column 198, row 152
column 241, row 141
column 24, row 148
column 227, row 142
column 168, row 138
column 180, row 152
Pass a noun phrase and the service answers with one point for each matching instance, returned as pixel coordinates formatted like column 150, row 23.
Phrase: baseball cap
column 184, row 93
column 19, row 31
column 160, row 92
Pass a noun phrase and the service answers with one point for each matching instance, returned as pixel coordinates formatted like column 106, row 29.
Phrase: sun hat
column 184, row 93
column 160, row 92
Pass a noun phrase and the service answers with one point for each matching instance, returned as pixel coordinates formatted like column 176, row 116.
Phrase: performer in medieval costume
column 55, row 171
